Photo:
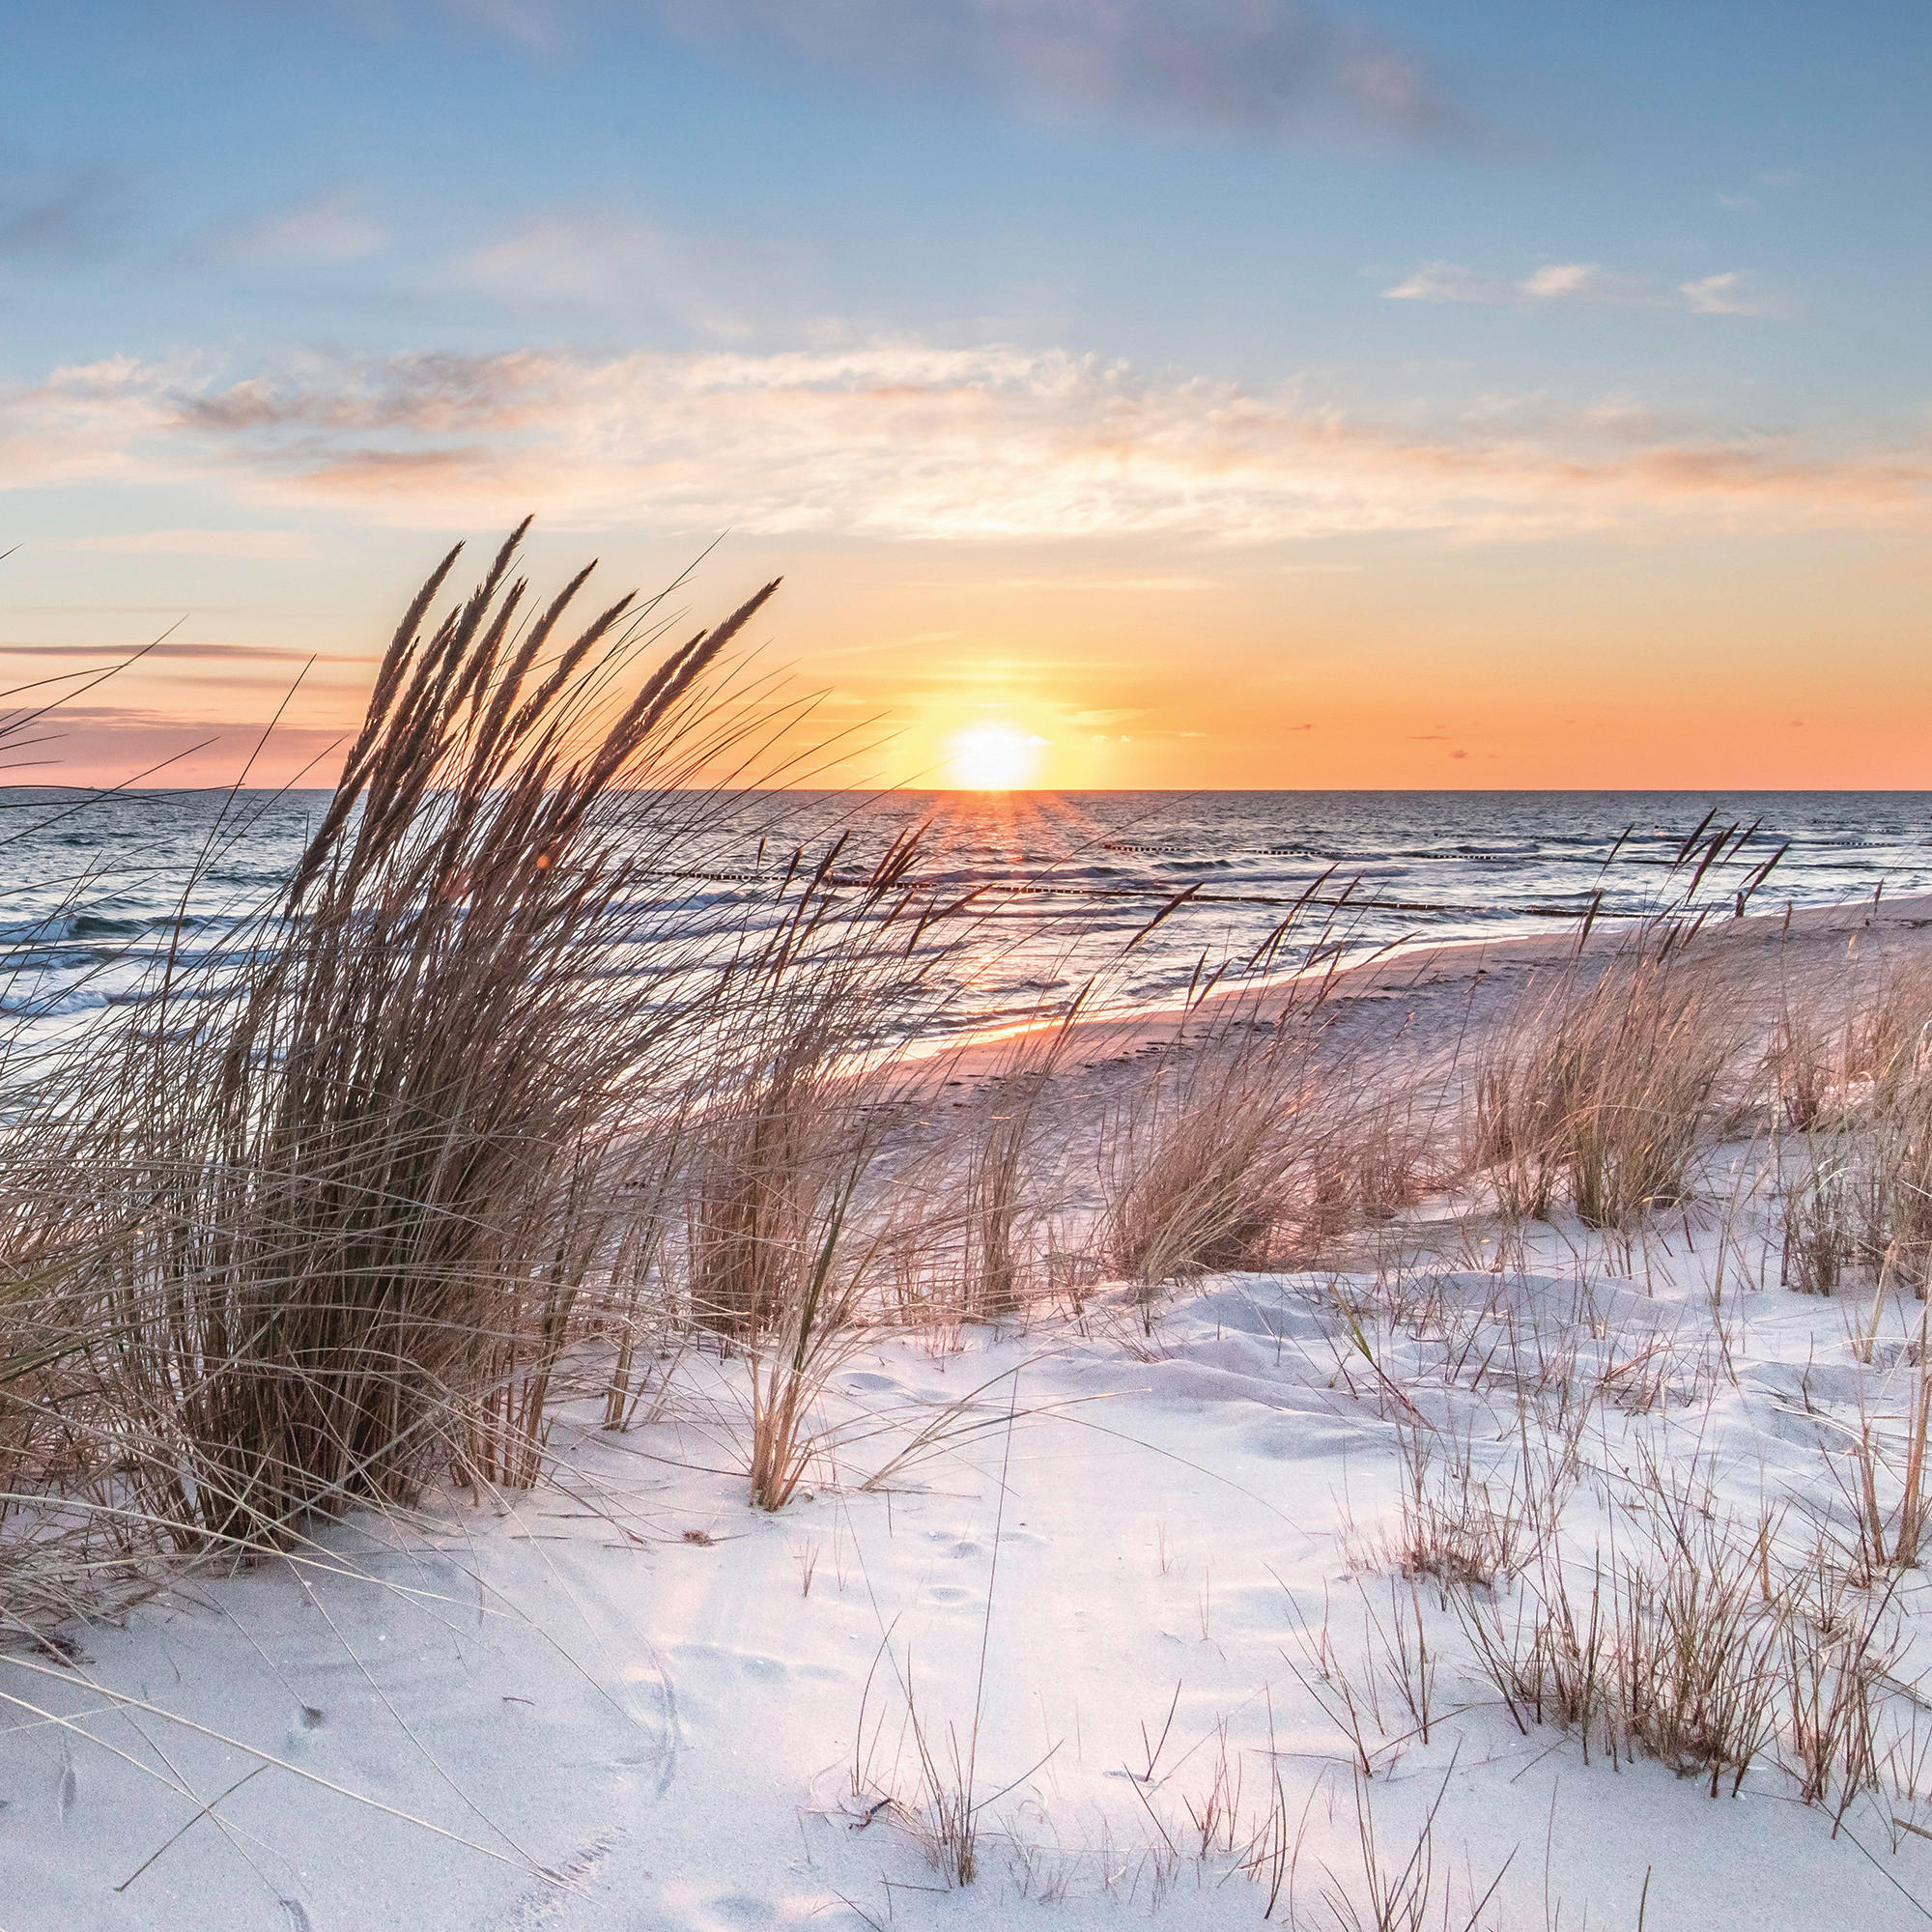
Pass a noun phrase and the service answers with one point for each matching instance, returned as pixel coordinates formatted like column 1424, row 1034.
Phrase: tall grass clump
column 1698, row 1644
column 1851, row 1081
column 1897, row 1236
column 1857, row 1191
column 308, row 1226
column 801, row 1078
column 1601, row 1088
column 1836, row 1055
column 790, row 1213
column 1007, row 1193
column 1201, row 1159
column 1209, row 1163
column 1673, row 1651
column 1825, row 1216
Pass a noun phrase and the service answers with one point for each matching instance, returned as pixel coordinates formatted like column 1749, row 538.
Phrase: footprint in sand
column 741, row 1909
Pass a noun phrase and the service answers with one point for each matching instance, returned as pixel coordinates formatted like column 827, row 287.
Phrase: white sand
column 593, row 1723
column 671, row 1727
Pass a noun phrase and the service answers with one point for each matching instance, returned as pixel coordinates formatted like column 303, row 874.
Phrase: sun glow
column 990, row 758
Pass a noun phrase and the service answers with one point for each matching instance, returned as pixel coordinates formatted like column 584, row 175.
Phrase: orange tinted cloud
column 901, row 441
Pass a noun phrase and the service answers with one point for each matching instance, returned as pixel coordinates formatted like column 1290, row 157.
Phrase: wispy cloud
column 108, row 419
column 1580, row 282
column 324, row 230
column 1088, row 586
column 1263, row 67
column 1767, row 180
column 266, row 545
column 238, row 654
column 1554, row 283
column 68, row 212
column 1724, row 295
column 1451, row 282
column 555, row 258
column 1577, row 284
column 903, row 442
column 587, row 257
column 105, row 744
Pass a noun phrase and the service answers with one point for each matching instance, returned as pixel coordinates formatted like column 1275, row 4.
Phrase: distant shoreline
column 1430, row 969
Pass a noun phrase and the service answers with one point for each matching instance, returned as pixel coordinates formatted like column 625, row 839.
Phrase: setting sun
column 991, row 757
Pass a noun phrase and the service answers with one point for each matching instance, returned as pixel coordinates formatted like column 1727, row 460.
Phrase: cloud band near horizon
column 909, row 442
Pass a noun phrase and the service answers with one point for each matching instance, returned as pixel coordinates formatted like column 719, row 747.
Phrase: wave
column 1057, row 880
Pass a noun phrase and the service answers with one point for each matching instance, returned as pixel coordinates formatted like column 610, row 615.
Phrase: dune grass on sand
column 488, row 1443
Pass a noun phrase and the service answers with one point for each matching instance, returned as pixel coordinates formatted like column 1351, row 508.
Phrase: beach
column 1191, row 1595
column 964, row 963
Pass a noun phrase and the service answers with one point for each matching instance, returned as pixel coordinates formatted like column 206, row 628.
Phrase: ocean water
column 94, row 890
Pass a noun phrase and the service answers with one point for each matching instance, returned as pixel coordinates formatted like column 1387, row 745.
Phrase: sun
column 990, row 758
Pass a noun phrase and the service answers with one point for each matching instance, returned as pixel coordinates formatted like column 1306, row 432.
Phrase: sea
column 1136, row 892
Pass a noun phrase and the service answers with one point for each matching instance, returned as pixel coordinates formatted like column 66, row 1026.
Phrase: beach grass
column 349, row 1213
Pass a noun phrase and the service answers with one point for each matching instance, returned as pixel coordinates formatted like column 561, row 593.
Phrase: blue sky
column 1468, row 361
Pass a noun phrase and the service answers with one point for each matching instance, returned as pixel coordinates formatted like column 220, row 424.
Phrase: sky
column 1131, row 393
